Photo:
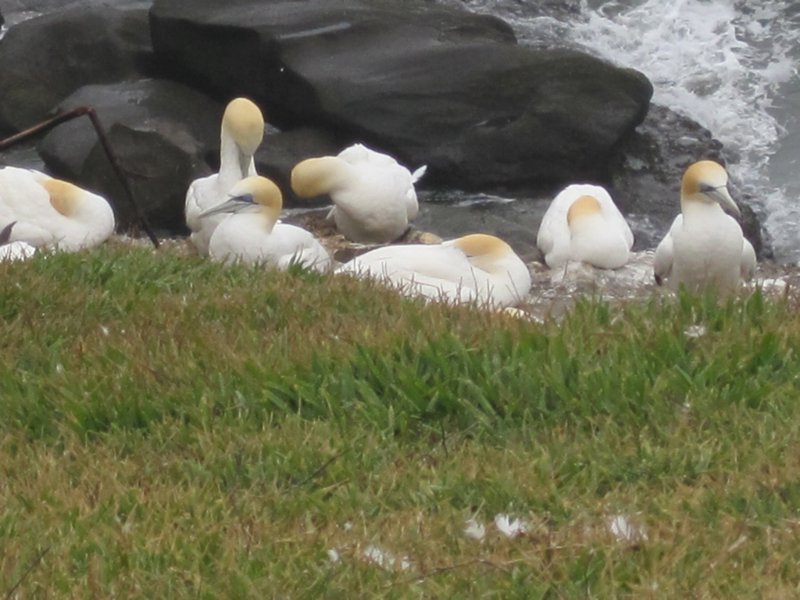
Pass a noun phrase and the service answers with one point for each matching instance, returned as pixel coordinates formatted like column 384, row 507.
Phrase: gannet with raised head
column 250, row 232
column 705, row 247
column 52, row 213
column 476, row 268
column 241, row 133
column 583, row 224
column 373, row 195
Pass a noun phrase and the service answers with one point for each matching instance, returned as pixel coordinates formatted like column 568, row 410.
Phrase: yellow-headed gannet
column 250, row 233
column 51, row 213
column 373, row 195
column 476, row 268
column 241, row 133
column 705, row 247
column 583, row 224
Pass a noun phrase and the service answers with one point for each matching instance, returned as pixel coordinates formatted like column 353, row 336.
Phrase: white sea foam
column 724, row 63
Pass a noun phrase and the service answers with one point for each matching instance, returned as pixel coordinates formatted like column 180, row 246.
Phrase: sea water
column 730, row 65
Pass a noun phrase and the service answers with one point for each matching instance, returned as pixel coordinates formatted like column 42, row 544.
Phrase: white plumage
column 373, row 195
column 250, row 233
column 241, row 133
column 51, row 213
column 475, row 268
column 583, row 224
column 705, row 247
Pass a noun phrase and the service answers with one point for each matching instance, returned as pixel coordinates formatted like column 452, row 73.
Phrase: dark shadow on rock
column 160, row 132
column 45, row 59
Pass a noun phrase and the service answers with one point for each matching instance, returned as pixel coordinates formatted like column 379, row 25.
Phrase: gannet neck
column 315, row 176
column 241, row 134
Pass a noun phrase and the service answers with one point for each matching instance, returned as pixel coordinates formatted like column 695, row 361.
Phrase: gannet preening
column 476, row 268
column 51, row 213
column 241, row 133
column 705, row 247
column 373, row 195
column 250, row 233
column 583, row 224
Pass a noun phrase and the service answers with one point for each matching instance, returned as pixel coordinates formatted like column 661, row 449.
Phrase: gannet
column 241, row 133
column 476, row 268
column 51, row 213
column 250, row 233
column 583, row 224
column 705, row 247
column 373, row 195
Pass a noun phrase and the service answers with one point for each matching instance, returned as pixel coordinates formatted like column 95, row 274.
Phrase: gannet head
column 315, row 176
column 584, row 206
column 64, row 196
column 257, row 194
column 707, row 181
column 245, row 124
column 483, row 250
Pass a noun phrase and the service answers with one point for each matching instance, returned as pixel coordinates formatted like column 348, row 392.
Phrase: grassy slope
column 174, row 429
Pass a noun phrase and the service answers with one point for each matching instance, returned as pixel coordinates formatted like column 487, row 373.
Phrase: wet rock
column 162, row 134
column 44, row 59
column 429, row 84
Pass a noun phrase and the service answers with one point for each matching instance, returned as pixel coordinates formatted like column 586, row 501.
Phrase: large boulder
column 163, row 134
column 44, row 59
column 430, row 84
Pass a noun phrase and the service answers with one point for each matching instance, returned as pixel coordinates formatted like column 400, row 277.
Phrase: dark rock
column 160, row 132
column 45, row 59
column 429, row 84
column 646, row 176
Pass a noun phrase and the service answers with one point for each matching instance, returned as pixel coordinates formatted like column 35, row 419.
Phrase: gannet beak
column 233, row 205
column 721, row 195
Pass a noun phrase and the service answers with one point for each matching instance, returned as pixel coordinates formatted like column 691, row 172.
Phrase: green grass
column 173, row 429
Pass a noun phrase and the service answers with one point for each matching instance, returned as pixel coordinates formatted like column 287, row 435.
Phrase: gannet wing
column 662, row 265
column 748, row 264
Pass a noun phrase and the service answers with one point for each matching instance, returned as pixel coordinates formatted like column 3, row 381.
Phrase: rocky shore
column 500, row 125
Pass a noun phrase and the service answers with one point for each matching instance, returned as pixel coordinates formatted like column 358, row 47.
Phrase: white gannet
column 250, row 233
column 51, row 213
column 583, row 224
column 475, row 268
column 373, row 195
column 241, row 133
column 705, row 247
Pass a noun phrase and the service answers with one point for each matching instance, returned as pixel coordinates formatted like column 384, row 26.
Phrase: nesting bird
column 476, row 268
column 373, row 195
column 51, row 213
column 241, row 133
column 705, row 247
column 250, row 232
column 583, row 224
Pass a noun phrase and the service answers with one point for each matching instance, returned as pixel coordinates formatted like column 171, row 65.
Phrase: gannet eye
column 706, row 189
column 244, row 198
